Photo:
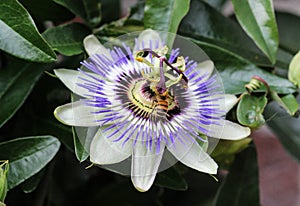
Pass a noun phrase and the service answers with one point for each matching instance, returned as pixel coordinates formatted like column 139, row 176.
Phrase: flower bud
column 3, row 180
column 294, row 70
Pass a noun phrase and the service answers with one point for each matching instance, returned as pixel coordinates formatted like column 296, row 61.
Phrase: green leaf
column 27, row 156
column 250, row 109
column 206, row 24
column 241, row 184
column 67, row 39
column 294, row 70
column 92, row 9
column 171, row 179
column 16, row 82
column 36, row 117
column 285, row 127
column 44, row 12
column 236, row 71
column 32, row 183
column 89, row 10
column 75, row 6
column 258, row 20
column 112, row 30
column 290, row 103
column 165, row 15
column 287, row 102
column 137, row 12
column 107, row 6
column 19, row 36
column 289, row 30
column 80, row 152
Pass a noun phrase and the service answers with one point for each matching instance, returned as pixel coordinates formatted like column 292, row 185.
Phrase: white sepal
column 77, row 114
column 92, row 46
column 193, row 156
column 104, row 150
column 145, row 163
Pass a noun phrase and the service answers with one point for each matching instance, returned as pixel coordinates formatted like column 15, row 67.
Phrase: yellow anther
column 139, row 59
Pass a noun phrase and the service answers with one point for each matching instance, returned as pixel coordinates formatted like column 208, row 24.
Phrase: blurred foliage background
column 47, row 164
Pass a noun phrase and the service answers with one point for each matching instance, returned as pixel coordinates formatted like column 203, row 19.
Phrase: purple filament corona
column 130, row 107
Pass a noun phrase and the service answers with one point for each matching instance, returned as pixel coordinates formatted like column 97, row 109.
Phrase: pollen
column 139, row 59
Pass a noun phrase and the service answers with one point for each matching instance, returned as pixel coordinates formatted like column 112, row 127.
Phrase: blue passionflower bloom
column 142, row 101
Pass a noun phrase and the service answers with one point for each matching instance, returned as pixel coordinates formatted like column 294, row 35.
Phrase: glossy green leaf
column 241, row 184
column 137, row 12
column 258, row 20
column 250, row 109
column 236, row 71
column 288, row 102
column 80, row 152
column 19, row 36
column 44, row 12
column 16, row 82
column 92, row 9
column 294, row 70
column 107, row 6
column 112, row 30
column 75, row 6
column 171, row 179
column 27, row 156
column 89, row 10
column 206, row 24
column 165, row 15
column 32, row 183
column 289, row 30
column 51, row 126
column 67, row 39
column 285, row 127
column 283, row 60
column 36, row 117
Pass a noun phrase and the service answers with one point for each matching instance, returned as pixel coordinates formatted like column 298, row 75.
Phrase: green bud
column 3, row 180
column 294, row 70
column 226, row 150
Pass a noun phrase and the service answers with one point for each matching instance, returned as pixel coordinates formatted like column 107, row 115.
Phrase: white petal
column 228, row 130
column 226, row 101
column 230, row 101
column 93, row 46
column 77, row 114
column 104, row 150
column 145, row 163
column 72, row 80
column 205, row 68
column 147, row 36
column 193, row 156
